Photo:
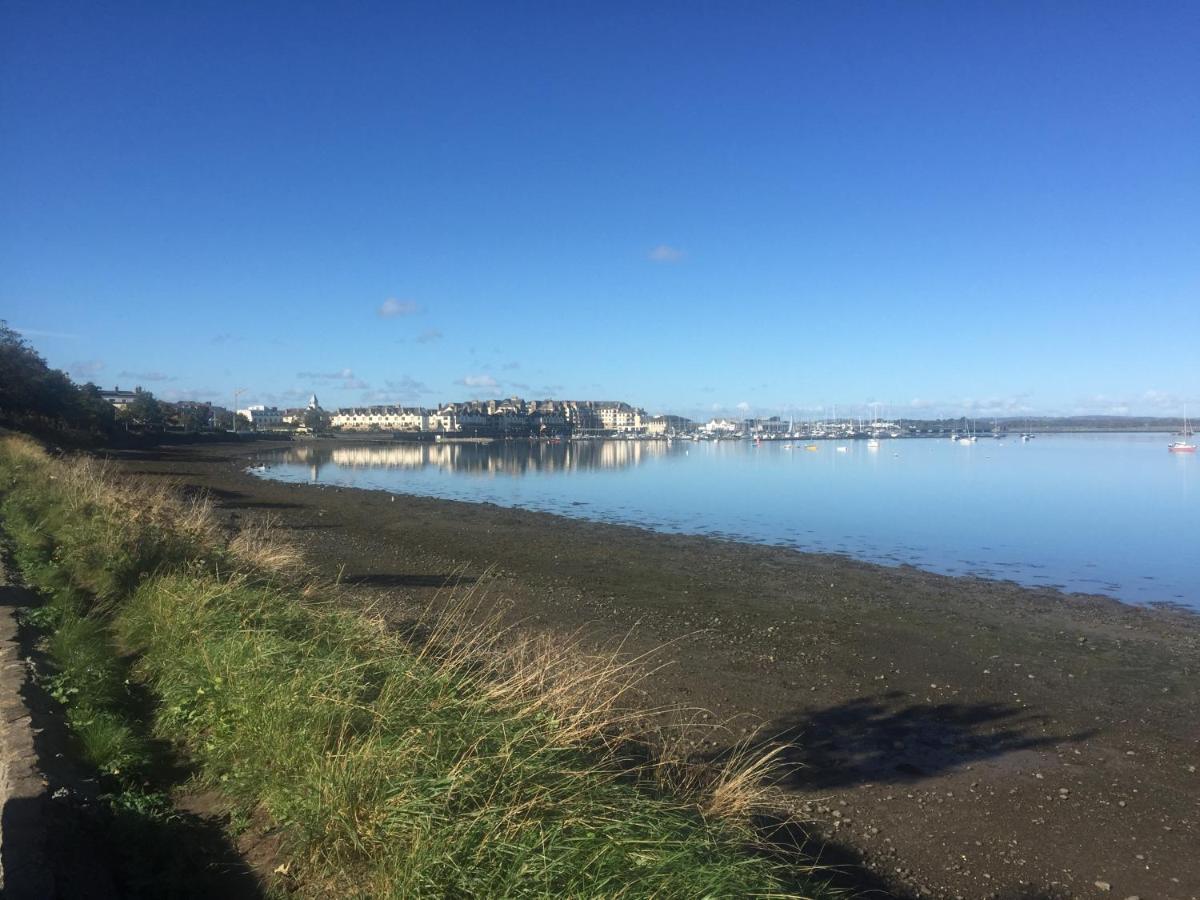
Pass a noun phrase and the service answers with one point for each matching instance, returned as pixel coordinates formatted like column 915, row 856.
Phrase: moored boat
column 1182, row 446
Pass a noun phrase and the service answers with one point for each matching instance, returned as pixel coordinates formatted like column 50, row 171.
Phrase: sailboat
column 1182, row 446
column 969, row 436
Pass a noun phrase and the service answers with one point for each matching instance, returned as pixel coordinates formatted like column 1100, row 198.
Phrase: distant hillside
column 1061, row 423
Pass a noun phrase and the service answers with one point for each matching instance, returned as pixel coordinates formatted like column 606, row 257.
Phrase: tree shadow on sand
column 228, row 499
column 822, row 859
column 389, row 580
column 889, row 739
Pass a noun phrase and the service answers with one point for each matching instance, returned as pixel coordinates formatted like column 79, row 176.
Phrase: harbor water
column 1112, row 514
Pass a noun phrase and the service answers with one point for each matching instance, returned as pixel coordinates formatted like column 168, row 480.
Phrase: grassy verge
column 453, row 766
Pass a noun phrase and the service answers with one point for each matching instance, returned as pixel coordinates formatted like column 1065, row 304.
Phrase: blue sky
column 944, row 207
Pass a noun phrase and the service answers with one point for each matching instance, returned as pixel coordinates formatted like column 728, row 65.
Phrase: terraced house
column 511, row 417
column 382, row 418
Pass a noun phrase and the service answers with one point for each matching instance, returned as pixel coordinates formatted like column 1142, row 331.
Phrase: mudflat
column 955, row 737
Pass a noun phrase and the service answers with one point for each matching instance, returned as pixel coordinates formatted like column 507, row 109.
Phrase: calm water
column 1110, row 514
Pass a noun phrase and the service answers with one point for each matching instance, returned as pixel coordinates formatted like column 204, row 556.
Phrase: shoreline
column 927, row 711
column 1069, row 584
column 418, row 437
column 1058, row 592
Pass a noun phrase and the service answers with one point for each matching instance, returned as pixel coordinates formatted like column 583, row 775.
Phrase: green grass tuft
column 454, row 768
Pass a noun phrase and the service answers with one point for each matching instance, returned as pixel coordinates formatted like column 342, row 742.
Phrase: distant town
column 552, row 419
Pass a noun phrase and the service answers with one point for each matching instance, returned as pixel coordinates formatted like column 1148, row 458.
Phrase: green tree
column 144, row 411
column 94, row 410
column 23, row 374
column 316, row 420
column 193, row 416
column 34, row 395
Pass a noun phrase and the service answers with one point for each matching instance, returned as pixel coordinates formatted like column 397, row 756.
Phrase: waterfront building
column 548, row 422
column 118, row 397
column 598, row 415
column 657, row 426
column 773, row 425
column 380, row 418
column 443, row 419
column 295, row 416
column 511, row 417
column 262, row 417
column 619, row 417
column 721, row 426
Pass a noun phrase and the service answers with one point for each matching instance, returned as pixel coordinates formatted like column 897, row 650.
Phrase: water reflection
column 1112, row 514
column 487, row 459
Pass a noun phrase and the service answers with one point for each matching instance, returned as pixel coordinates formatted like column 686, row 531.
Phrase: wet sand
column 959, row 737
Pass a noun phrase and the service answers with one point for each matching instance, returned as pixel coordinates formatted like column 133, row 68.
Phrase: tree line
column 37, row 398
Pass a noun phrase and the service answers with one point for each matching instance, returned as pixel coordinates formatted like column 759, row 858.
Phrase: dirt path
column 59, row 839
column 963, row 738
column 24, row 796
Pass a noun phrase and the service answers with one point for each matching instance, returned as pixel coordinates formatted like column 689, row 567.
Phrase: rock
column 1103, row 885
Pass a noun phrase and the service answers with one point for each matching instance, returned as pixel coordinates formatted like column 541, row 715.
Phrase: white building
column 380, row 418
column 262, row 416
column 444, row 419
column 619, row 417
column 118, row 397
column 721, row 426
column 296, row 416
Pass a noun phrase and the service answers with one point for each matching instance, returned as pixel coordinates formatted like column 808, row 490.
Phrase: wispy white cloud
column 1101, row 405
column 343, row 379
column 938, row 408
column 407, row 386
column 665, row 253
column 1166, row 402
column 484, row 381
column 481, row 385
column 997, row 406
column 429, row 336
column 743, row 407
column 277, row 398
column 147, row 376
column 397, row 391
column 340, row 375
column 392, row 308
column 1151, row 402
column 86, row 368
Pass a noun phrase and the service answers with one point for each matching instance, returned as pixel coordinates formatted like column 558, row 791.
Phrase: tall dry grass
column 461, row 758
